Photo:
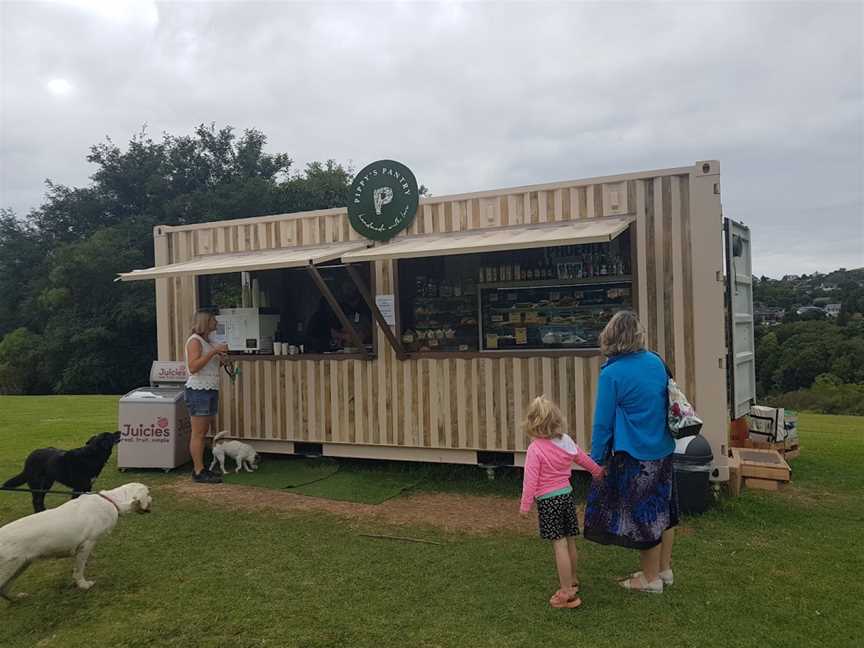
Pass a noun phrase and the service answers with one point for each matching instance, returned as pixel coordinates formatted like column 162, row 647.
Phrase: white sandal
column 654, row 587
column 666, row 576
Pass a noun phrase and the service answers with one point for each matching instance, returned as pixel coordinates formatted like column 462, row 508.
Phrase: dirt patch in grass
column 451, row 512
column 447, row 511
column 815, row 497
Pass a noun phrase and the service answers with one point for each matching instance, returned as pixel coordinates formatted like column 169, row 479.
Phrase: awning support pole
column 343, row 319
column 376, row 312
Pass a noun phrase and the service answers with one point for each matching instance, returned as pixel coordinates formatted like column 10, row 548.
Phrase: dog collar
column 113, row 503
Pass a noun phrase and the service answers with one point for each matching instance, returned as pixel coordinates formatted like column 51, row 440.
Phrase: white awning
column 515, row 237
column 247, row 261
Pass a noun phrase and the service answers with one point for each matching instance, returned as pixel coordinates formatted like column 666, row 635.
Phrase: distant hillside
column 844, row 287
column 807, row 364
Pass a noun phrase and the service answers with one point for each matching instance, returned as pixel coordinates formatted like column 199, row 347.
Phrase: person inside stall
column 325, row 332
column 322, row 328
column 357, row 312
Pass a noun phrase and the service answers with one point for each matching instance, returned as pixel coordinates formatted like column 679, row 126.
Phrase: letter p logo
column 382, row 196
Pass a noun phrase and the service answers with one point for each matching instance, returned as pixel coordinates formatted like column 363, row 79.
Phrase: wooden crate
column 762, row 464
column 789, row 449
column 763, row 484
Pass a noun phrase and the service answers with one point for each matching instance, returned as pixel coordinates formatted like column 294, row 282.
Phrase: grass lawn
column 766, row 569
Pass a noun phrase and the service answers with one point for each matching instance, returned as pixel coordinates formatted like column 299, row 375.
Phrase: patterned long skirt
column 633, row 504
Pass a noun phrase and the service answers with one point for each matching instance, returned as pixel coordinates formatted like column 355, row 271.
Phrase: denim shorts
column 202, row 402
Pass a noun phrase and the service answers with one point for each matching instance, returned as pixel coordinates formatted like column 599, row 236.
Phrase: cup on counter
column 292, row 349
column 277, row 349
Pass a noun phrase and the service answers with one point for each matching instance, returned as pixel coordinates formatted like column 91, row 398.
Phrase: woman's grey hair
column 623, row 334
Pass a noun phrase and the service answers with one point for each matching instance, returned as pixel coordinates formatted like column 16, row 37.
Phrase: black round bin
column 692, row 463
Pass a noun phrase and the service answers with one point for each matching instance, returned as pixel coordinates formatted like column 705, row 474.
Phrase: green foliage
column 57, row 266
column 789, row 357
column 827, row 396
column 22, row 364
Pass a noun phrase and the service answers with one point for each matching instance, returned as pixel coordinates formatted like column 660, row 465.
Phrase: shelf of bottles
column 560, row 299
column 568, row 262
column 557, row 297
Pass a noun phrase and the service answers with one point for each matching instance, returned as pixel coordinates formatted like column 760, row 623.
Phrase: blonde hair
column 543, row 419
column 623, row 334
column 201, row 322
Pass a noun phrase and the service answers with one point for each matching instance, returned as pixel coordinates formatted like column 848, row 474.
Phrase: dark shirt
column 318, row 330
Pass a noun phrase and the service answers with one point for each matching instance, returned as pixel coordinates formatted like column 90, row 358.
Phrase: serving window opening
column 257, row 310
column 557, row 297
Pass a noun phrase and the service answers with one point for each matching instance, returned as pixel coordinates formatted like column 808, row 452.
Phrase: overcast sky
column 471, row 96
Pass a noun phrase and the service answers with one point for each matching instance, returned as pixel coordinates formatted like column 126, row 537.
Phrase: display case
column 545, row 298
column 444, row 315
column 550, row 314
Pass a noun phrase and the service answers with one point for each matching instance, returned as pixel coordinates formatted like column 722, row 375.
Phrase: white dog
column 240, row 452
column 71, row 529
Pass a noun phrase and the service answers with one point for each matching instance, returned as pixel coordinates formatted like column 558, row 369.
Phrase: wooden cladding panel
column 464, row 403
column 272, row 400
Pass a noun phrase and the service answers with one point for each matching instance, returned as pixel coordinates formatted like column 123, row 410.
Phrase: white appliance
column 772, row 424
column 154, row 423
column 247, row 329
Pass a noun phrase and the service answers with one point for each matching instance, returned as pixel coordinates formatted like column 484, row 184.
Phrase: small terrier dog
column 242, row 453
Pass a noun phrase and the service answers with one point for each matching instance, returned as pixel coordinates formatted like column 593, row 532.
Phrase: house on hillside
column 768, row 316
column 832, row 310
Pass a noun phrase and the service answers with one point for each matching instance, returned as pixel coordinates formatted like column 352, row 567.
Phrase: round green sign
column 383, row 201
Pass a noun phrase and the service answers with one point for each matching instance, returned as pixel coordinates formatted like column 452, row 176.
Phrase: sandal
column 563, row 599
column 639, row 584
column 666, row 576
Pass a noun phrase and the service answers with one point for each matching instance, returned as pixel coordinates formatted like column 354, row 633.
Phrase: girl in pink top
column 546, row 479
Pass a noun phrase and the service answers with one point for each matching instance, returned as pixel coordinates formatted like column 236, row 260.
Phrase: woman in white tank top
column 202, row 389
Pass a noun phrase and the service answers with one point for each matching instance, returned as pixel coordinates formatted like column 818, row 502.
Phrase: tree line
column 65, row 325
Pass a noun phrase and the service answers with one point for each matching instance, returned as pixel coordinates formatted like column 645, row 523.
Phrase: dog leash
column 44, row 492
column 231, row 369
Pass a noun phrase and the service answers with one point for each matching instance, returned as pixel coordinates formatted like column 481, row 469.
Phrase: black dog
column 74, row 468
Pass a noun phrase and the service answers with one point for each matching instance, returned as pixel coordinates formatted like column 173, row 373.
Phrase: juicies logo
column 159, row 431
column 384, row 199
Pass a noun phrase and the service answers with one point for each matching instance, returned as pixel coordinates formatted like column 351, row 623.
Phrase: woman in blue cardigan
column 636, row 505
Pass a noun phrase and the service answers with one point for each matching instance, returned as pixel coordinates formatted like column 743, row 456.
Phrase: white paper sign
column 387, row 305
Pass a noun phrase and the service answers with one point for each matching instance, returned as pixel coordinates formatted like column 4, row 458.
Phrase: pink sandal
column 565, row 599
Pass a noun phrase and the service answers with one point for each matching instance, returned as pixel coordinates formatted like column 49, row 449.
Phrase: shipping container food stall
column 427, row 344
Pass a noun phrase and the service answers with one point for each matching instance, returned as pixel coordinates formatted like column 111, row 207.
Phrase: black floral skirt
column 634, row 504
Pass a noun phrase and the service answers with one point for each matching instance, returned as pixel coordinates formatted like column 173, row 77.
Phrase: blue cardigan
column 630, row 414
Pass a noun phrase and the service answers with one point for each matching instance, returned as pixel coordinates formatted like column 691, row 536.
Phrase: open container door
column 741, row 353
